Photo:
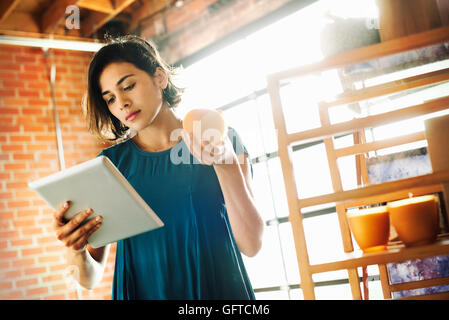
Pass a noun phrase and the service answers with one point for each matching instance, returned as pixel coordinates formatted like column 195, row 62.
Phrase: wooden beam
column 6, row 7
column 51, row 17
column 148, row 9
column 19, row 22
column 104, row 6
column 95, row 21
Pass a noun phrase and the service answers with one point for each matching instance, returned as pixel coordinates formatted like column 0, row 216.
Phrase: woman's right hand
column 73, row 233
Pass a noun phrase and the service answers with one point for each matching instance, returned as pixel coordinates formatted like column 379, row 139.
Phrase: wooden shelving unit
column 369, row 193
column 394, row 253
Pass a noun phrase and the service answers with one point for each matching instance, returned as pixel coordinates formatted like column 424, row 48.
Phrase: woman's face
column 132, row 96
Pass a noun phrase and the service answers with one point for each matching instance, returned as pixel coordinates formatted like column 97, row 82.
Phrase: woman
column 206, row 203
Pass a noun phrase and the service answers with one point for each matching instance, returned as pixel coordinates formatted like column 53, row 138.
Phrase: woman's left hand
column 209, row 152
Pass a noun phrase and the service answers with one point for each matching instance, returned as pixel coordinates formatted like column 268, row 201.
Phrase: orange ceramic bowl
column 205, row 124
column 415, row 219
column 370, row 227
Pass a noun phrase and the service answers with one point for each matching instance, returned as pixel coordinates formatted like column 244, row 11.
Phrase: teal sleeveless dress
column 194, row 255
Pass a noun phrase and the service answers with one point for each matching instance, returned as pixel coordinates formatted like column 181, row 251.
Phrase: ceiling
column 59, row 18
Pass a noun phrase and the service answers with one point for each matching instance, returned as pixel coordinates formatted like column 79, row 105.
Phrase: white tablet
column 99, row 185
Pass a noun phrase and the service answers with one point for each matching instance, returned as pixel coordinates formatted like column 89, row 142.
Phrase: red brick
column 21, row 242
column 9, row 254
column 12, row 50
column 13, row 84
column 10, row 128
column 7, row 75
column 49, row 259
column 7, row 92
column 33, row 111
column 12, row 147
column 34, row 128
column 47, row 156
column 23, row 223
column 20, row 138
column 38, row 85
column 6, row 57
column 46, row 119
column 32, row 231
column 27, row 175
column 27, row 58
column 29, row 93
column 13, row 274
column 28, row 262
column 23, row 213
column 28, row 119
column 46, row 239
column 4, row 65
column 12, row 295
column 18, row 204
column 28, row 76
column 7, row 215
column 17, row 185
column 19, row 102
column 9, row 111
column 40, row 165
column 4, row 285
column 37, row 291
column 6, row 195
column 37, row 270
column 26, row 283
column 48, row 138
column 26, row 194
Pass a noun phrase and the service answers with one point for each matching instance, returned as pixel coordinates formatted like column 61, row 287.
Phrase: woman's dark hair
column 143, row 55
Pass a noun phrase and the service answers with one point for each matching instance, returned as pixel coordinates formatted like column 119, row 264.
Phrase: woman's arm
column 90, row 264
column 246, row 222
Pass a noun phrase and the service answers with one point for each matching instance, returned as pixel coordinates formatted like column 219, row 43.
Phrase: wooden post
column 437, row 134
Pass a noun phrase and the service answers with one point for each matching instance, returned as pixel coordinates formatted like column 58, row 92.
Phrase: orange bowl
column 205, row 124
column 415, row 219
column 370, row 227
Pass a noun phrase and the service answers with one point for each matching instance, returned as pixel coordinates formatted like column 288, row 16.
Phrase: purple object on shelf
column 398, row 166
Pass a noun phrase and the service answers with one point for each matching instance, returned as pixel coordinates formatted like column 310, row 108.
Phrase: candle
column 370, row 227
column 415, row 219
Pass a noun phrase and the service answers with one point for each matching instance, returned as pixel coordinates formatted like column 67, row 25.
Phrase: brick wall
column 32, row 261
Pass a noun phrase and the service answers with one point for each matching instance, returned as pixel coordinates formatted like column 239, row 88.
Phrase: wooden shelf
column 437, row 181
column 394, row 253
column 377, row 189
